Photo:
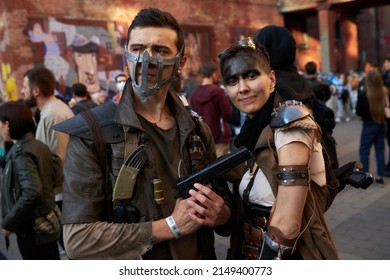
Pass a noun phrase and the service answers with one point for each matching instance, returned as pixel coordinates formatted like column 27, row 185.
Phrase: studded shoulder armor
column 288, row 112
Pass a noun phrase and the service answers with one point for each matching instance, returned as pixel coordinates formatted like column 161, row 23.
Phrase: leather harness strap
column 100, row 148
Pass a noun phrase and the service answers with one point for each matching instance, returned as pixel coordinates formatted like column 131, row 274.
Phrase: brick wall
column 221, row 19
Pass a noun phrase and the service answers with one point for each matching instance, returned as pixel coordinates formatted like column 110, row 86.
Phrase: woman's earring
column 272, row 88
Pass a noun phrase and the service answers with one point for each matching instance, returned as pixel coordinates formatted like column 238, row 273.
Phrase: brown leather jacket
column 87, row 235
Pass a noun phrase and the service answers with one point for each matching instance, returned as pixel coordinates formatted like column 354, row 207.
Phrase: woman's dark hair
column 152, row 17
column 19, row 117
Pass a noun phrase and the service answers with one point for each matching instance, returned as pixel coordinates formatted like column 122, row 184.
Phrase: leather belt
column 254, row 229
column 258, row 220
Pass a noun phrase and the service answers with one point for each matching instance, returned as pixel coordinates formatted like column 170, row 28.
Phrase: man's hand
column 209, row 209
column 182, row 216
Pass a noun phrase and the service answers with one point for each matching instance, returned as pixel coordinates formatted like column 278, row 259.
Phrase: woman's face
column 247, row 84
column 4, row 131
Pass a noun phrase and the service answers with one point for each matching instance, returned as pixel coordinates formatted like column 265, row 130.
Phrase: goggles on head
column 145, row 60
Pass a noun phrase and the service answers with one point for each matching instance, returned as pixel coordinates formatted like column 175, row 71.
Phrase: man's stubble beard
column 30, row 102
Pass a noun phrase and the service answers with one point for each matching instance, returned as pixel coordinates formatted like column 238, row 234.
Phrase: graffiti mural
column 8, row 88
column 89, row 52
column 199, row 48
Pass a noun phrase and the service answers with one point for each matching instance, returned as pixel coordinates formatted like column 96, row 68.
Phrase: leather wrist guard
column 293, row 175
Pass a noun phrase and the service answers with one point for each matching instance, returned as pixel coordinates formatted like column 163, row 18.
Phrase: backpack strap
column 100, row 147
column 97, row 138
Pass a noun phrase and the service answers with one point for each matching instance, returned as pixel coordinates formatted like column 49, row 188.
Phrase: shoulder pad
column 104, row 114
column 287, row 113
column 193, row 113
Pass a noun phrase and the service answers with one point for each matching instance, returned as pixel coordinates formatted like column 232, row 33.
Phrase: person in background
column 353, row 82
column 81, row 99
column 38, row 91
column 281, row 47
column 209, row 100
column 320, row 88
column 27, row 195
column 386, row 71
column 99, row 97
column 340, row 99
column 386, row 82
column 277, row 217
column 370, row 108
column 323, row 115
column 150, row 221
column 120, row 81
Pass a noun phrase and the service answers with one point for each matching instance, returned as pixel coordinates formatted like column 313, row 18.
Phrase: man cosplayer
column 120, row 194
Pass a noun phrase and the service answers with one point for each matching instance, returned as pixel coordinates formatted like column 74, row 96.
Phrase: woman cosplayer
column 286, row 190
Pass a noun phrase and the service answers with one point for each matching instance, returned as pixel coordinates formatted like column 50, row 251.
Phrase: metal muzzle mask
column 144, row 62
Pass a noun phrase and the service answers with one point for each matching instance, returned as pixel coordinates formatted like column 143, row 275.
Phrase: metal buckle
column 250, row 252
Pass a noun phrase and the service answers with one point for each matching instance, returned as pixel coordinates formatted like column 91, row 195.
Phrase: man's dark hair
column 152, row 17
column 19, row 117
column 79, row 90
column 118, row 76
column 42, row 78
column 208, row 69
column 311, row 68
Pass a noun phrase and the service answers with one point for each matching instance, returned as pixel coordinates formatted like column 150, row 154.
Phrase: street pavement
column 358, row 219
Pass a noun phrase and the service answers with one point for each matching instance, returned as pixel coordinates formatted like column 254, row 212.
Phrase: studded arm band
column 293, row 175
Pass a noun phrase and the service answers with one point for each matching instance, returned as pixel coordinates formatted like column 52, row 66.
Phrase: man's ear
column 216, row 76
column 182, row 63
column 35, row 91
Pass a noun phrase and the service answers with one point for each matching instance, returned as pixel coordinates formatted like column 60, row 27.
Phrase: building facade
column 339, row 35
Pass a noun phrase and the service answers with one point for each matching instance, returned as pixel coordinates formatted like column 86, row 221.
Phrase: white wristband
column 173, row 227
